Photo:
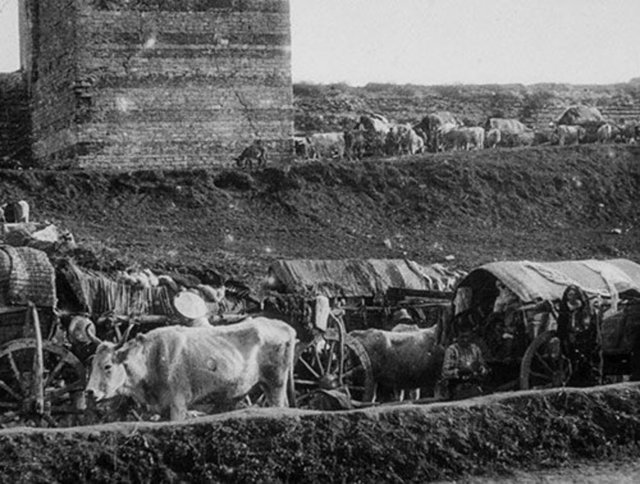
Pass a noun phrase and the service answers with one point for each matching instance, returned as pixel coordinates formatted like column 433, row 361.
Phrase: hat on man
column 401, row 315
column 190, row 305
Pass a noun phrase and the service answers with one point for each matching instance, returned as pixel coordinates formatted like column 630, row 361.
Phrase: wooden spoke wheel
column 358, row 373
column 255, row 398
column 332, row 361
column 543, row 364
column 63, row 383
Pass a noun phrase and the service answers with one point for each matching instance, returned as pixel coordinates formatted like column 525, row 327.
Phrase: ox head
column 582, row 132
column 116, row 368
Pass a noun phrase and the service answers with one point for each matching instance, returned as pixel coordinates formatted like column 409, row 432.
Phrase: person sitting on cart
column 579, row 339
column 464, row 368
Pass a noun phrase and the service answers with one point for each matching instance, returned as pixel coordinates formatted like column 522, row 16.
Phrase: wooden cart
column 519, row 338
column 361, row 294
column 43, row 369
column 41, row 380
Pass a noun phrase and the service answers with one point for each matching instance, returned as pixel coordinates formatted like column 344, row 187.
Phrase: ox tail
column 291, row 390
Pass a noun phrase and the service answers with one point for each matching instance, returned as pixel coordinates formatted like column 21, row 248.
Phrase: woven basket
column 26, row 275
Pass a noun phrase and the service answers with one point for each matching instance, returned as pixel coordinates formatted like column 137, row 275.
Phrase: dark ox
column 434, row 125
column 255, row 152
column 171, row 368
column 355, row 144
column 403, row 360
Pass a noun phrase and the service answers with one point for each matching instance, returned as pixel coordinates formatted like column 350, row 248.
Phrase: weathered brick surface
column 151, row 83
column 52, row 75
column 14, row 120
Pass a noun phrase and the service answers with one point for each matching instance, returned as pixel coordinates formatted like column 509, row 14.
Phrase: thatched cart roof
column 98, row 293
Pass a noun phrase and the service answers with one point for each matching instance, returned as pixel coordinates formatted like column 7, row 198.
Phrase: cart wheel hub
column 328, row 382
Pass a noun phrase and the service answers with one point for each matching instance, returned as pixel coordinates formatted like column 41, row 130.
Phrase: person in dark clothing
column 579, row 337
column 463, row 368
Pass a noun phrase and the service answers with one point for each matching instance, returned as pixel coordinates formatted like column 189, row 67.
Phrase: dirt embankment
column 538, row 203
column 410, row 443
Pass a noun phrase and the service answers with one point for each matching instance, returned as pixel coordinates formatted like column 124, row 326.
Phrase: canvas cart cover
column 532, row 281
column 360, row 277
column 581, row 115
column 26, row 275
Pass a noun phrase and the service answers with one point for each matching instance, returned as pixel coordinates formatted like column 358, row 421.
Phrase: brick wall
column 15, row 148
column 153, row 83
column 52, row 75
column 129, row 84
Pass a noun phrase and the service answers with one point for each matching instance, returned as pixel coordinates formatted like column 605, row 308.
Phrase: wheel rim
column 358, row 373
column 317, row 366
column 64, row 383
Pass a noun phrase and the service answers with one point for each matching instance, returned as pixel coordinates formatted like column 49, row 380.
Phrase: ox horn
column 90, row 330
column 125, row 336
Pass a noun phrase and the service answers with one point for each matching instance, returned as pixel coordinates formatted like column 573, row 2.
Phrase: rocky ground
column 546, row 203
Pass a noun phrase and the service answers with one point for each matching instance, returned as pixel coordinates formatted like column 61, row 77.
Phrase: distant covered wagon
column 588, row 117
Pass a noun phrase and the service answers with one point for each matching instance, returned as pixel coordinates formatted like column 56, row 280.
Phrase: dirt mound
column 414, row 443
column 538, row 203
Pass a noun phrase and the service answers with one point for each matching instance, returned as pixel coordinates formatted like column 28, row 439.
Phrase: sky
column 446, row 41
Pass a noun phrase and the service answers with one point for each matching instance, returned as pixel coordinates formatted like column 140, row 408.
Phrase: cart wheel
column 543, row 364
column 64, row 382
column 332, row 361
column 358, row 372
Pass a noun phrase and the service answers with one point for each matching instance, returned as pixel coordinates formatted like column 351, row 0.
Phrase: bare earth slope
column 539, row 203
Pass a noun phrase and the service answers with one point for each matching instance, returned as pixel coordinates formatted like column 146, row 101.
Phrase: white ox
column 570, row 135
column 605, row 133
column 403, row 360
column 492, row 138
column 512, row 132
column 464, row 138
column 171, row 368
